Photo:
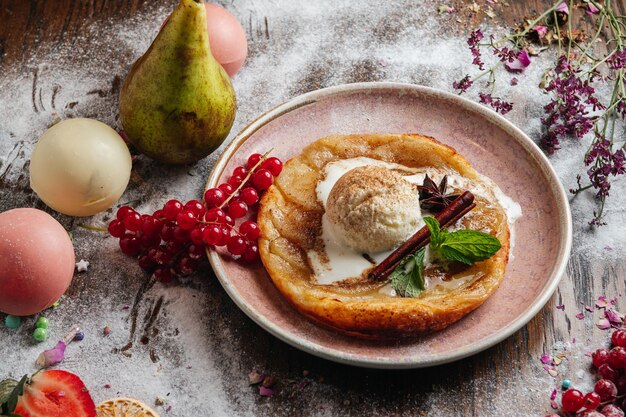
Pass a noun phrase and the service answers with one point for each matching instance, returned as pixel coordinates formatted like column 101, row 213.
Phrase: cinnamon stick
column 449, row 215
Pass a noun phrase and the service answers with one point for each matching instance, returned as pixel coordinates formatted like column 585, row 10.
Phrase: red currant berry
column 214, row 197
column 148, row 242
column 162, row 257
column 225, row 234
column 599, row 357
column 607, row 372
column 618, row 338
column 151, row 226
column 174, row 247
column 236, row 245
column 181, row 235
column 196, row 208
column 250, row 230
column 229, row 220
column 249, row 196
column 611, row 410
column 133, row 222
column 186, row 220
column 215, row 215
column 572, row 400
column 212, row 235
column 253, row 160
column 158, row 214
column 167, row 232
column 195, row 251
column 163, row 275
column 591, row 401
column 123, row 211
column 116, row 228
column 251, row 253
column 621, row 385
column 196, row 235
column 171, row 209
column 605, row 389
column 235, row 180
column 273, row 165
column 226, row 188
column 237, row 209
column 130, row 246
column 240, row 171
column 145, row 262
column 617, row 358
column 186, row 266
column 262, row 179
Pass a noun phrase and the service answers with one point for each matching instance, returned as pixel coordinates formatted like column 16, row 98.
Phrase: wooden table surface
column 507, row 379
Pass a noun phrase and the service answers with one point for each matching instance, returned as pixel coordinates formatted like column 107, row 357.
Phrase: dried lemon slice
column 125, row 407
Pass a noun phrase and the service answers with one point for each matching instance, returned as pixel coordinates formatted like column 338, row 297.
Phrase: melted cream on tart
column 348, row 222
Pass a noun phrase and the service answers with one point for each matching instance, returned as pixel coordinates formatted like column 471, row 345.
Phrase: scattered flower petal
column 255, row 377
column 52, row 356
column 580, row 315
column 588, row 308
column 265, row 392
column 614, row 317
column 560, row 307
column 553, row 394
column 603, row 324
column 601, row 303
column 546, row 359
column 553, row 373
column 521, row 61
column 562, row 8
column 541, row 31
column 592, row 9
column 514, row 81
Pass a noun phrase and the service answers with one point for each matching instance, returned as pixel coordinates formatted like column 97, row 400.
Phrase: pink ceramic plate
column 493, row 146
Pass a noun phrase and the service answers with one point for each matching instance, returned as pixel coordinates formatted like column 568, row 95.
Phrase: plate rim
column 340, row 356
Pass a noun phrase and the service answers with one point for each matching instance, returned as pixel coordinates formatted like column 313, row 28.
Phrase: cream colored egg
column 80, row 167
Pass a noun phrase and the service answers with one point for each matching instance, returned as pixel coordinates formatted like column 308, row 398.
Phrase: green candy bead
column 42, row 323
column 12, row 322
column 40, row 334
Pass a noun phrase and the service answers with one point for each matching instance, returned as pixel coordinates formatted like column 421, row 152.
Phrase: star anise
column 433, row 197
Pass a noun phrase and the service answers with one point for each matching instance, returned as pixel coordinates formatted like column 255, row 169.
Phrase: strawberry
column 55, row 394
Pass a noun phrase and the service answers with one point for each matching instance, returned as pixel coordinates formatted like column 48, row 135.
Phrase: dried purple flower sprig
column 515, row 59
column 574, row 109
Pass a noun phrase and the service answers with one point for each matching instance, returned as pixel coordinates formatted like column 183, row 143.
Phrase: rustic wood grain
column 473, row 384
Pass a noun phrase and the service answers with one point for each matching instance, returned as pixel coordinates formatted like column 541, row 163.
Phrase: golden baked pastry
column 290, row 220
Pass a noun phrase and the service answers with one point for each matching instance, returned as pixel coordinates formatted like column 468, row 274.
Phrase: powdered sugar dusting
column 197, row 351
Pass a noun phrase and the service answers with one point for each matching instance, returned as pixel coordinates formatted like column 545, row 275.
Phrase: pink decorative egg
column 36, row 261
column 227, row 38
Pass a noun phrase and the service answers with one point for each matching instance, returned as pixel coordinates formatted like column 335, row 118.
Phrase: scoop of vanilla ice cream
column 373, row 209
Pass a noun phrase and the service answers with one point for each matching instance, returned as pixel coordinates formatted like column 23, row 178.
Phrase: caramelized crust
column 290, row 222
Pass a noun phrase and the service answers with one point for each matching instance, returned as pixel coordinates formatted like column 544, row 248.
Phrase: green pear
column 177, row 104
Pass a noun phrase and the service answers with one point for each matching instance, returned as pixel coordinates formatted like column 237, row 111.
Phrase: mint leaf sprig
column 465, row 246
column 408, row 277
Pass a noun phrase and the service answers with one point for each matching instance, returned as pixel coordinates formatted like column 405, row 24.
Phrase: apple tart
column 346, row 202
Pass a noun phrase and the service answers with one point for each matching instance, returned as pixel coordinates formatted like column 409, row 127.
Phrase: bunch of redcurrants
column 172, row 241
column 607, row 397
